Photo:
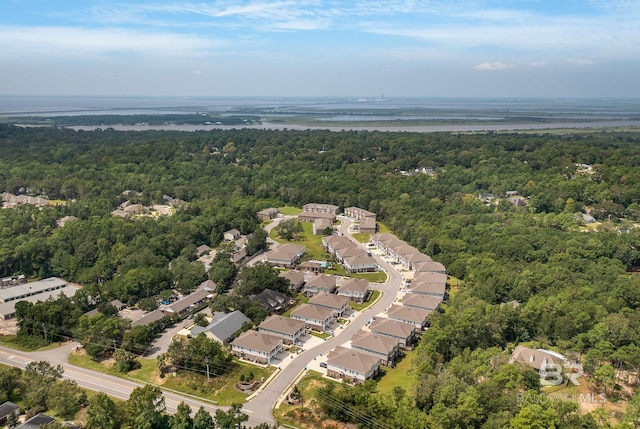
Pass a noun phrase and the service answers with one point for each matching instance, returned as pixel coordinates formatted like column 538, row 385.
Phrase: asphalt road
column 263, row 403
column 260, row 407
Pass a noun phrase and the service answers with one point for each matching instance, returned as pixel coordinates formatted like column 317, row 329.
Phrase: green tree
column 37, row 379
column 203, row 420
column 125, row 360
column 261, row 276
column 534, row 416
column 65, row 398
column 9, row 381
column 182, row 418
column 145, row 408
column 187, row 275
column 289, row 229
column 232, row 418
column 257, row 241
column 102, row 413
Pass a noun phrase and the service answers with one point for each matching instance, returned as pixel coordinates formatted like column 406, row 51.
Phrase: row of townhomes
column 397, row 330
column 349, row 254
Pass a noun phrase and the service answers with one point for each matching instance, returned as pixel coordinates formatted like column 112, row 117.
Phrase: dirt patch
column 9, row 327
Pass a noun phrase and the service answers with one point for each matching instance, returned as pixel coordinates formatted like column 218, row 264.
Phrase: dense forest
column 535, row 273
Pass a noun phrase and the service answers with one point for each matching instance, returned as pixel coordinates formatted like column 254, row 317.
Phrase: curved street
column 260, row 407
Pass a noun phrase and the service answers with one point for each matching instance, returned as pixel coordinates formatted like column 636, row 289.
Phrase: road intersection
column 260, row 406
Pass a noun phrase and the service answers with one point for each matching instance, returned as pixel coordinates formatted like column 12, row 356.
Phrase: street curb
column 286, row 391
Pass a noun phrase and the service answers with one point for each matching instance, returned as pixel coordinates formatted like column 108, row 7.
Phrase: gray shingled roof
column 223, row 325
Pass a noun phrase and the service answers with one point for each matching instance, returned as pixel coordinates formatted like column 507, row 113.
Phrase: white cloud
column 538, row 63
column 580, row 61
column 74, row 42
column 493, row 66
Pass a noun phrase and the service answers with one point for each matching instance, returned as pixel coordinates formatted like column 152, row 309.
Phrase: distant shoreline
column 390, row 128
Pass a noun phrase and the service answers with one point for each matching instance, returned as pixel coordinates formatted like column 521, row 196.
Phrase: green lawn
column 400, row 375
column 290, row 210
column 26, row 344
column 359, row 307
column 362, row 237
column 377, row 277
column 220, row 389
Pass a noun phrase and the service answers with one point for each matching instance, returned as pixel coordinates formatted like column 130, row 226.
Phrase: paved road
column 113, row 386
column 260, row 407
column 263, row 403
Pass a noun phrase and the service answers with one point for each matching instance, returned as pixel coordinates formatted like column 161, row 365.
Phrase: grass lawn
column 362, row 237
column 383, row 228
column 220, row 390
column 359, row 307
column 290, row 414
column 378, row 277
column 322, row 335
column 26, row 344
column 290, row 210
column 399, row 376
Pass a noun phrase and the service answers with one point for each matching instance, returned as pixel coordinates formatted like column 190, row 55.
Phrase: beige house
column 314, row 316
column 352, row 365
column 539, row 359
column 267, row 214
column 380, row 346
column 403, row 333
column 355, row 289
column 295, row 279
column 290, row 330
column 322, row 283
column 337, row 304
column 257, row 347
column 421, row 302
column 414, row 316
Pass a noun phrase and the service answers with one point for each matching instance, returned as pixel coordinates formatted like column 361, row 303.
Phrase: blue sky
column 516, row 48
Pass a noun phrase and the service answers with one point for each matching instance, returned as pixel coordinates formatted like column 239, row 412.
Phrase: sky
column 421, row 48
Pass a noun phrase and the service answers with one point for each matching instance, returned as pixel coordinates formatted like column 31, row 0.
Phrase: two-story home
column 360, row 264
column 403, row 333
column 290, row 330
column 337, row 304
column 314, row 316
column 421, row 302
column 428, row 288
column 267, row 214
column 350, row 364
column 257, row 346
column 414, row 316
column 295, row 279
column 429, row 277
column 231, row 235
column 321, row 283
column 380, row 346
column 355, row 289
column 285, row 255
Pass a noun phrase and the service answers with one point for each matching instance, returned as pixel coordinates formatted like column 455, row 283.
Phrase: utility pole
column 206, row 359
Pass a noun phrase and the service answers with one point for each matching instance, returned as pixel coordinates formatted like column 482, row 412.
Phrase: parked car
column 323, row 364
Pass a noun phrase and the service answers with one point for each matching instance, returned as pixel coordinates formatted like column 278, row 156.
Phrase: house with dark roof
column 189, row 303
column 350, row 364
column 314, row 316
column 290, row 330
column 223, row 326
column 257, row 346
column 37, row 421
column 273, row 301
column 337, row 304
column 149, row 318
column 6, row 409
column 322, row 283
